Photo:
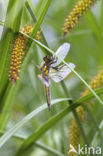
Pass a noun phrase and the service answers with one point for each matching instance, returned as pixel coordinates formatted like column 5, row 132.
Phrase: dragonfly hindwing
column 45, row 82
column 61, row 72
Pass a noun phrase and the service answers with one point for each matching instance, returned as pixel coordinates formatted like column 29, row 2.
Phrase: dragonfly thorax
column 48, row 61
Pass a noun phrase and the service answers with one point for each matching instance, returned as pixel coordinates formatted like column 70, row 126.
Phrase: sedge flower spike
column 79, row 9
column 18, row 53
column 74, row 136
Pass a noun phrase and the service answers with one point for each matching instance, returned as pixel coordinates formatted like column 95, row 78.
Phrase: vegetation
column 29, row 31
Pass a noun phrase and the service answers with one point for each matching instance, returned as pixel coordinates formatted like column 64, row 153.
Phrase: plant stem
column 76, row 117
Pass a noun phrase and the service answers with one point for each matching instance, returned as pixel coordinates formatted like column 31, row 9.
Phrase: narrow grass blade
column 11, row 26
column 10, row 133
column 93, row 120
column 40, row 20
column 35, row 21
column 38, row 145
column 9, row 99
column 35, row 136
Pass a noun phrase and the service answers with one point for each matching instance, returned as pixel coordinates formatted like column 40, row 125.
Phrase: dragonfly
column 50, row 69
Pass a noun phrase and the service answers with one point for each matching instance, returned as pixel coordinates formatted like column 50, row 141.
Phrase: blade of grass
column 96, row 134
column 76, row 117
column 11, row 26
column 30, row 11
column 34, row 19
column 91, row 116
column 93, row 130
column 52, row 52
column 8, row 134
column 14, row 91
column 38, row 144
column 37, row 134
column 39, row 22
column 51, row 151
column 15, row 128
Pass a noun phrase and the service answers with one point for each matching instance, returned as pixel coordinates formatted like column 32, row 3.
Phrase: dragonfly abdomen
column 48, row 96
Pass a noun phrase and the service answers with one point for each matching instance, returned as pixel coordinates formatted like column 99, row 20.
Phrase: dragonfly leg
column 56, row 68
column 52, row 62
column 55, row 60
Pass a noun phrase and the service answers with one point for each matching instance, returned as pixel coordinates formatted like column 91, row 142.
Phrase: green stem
column 40, row 20
column 35, row 21
column 93, row 120
column 30, row 11
column 76, row 117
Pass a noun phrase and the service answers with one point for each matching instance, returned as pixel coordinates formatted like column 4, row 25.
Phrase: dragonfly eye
column 48, row 58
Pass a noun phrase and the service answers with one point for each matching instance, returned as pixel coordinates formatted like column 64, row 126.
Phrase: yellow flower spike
column 79, row 9
column 18, row 53
column 74, row 136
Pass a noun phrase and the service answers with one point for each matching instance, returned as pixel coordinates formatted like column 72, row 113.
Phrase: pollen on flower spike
column 79, row 9
column 18, row 53
column 74, row 136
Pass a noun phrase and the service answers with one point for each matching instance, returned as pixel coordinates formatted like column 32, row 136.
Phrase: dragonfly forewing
column 61, row 52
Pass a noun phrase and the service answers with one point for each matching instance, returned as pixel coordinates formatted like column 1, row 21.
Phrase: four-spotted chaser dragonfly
column 50, row 69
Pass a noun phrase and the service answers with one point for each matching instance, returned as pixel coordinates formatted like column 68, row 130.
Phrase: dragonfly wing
column 48, row 96
column 61, row 73
column 61, row 52
column 45, row 81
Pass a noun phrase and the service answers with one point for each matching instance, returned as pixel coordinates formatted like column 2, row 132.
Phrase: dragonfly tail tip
column 49, row 108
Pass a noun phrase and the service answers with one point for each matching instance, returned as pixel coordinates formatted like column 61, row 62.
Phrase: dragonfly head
column 48, row 59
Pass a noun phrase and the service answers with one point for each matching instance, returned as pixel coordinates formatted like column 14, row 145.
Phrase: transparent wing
column 45, row 81
column 61, row 73
column 62, row 51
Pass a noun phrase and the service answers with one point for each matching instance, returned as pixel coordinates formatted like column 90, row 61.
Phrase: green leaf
column 11, row 26
column 10, row 133
column 13, row 92
column 39, row 21
column 36, row 135
column 38, row 145
column 15, row 128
